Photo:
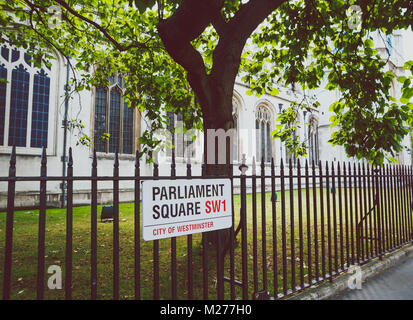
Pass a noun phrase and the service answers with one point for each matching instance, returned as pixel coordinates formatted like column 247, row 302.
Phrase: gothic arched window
column 24, row 100
column 183, row 145
column 313, row 140
column 113, row 116
column 114, row 119
column 290, row 152
column 235, row 139
column 263, row 133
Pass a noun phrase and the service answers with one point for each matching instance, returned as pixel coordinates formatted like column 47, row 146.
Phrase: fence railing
column 313, row 223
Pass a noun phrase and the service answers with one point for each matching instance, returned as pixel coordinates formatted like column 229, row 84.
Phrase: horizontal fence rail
column 293, row 226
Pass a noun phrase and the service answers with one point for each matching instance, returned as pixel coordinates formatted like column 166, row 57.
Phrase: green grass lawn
column 25, row 250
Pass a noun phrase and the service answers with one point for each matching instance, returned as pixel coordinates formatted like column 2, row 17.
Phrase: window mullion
column 257, row 139
column 121, row 106
column 7, row 111
column 107, row 118
column 268, row 140
column 29, row 110
column 135, row 126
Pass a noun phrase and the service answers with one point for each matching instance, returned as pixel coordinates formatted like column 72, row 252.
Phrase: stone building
column 32, row 113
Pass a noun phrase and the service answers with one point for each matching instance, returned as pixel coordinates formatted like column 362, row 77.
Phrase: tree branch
column 218, row 22
column 214, row 91
column 187, row 23
column 107, row 35
column 251, row 15
column 227, row 54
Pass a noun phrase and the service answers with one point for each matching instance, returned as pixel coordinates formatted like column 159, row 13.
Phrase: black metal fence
column 297, row 227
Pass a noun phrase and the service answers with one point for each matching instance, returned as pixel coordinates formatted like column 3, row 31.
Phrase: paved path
column 395, row 283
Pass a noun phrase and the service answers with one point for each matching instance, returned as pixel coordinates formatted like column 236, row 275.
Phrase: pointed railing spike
column 155, row 168
column 70, row 162
column 44, row 158
column 137, row 160
column 94, row 159
column 272, row 168
column 116, row 160
column 188, row 167
column 13, row 156
column 203, row 166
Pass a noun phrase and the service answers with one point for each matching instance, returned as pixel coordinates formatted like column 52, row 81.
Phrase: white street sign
column 173, row 208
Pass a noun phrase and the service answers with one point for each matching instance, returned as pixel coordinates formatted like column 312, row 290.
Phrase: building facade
column 33, row 112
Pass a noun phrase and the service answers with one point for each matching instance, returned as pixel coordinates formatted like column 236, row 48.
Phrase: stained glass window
column 127, row 142
column 24, row 120
column 5, row 53
column 112, row 79
column 100, row 118
column 313, row 140
column 40, row 110
column 19, row 102
column 3, row 87
column 183, row 148
column 27, row 59
column 263, row 137
column 120, row 81
column 112, row 116
column 15, row 55
column 114, row 120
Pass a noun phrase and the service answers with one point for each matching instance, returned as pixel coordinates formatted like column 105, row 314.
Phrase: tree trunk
column 218, row 169
column 214, row 90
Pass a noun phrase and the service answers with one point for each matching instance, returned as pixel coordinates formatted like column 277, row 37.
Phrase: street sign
column 173, row 208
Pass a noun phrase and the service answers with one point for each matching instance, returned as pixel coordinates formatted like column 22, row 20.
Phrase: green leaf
column 274, row 91
column 407, row 94
column 408, row 65
column 401, row 79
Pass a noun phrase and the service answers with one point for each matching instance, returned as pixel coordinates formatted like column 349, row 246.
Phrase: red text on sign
column 215, row 206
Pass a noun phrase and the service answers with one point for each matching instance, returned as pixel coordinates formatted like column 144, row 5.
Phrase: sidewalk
column 395, row 283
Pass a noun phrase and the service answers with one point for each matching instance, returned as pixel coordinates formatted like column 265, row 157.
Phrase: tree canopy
column 184, row 56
